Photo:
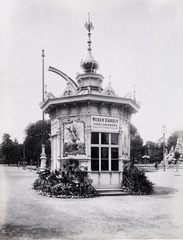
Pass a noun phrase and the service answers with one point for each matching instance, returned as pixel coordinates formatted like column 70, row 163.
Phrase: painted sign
column 104, row 124
column 74, row 138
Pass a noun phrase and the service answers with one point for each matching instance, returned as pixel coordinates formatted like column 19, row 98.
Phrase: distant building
column 90, row 123
column 179, row 146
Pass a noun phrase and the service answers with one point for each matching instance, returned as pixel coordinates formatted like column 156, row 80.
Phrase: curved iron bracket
column 67, row 78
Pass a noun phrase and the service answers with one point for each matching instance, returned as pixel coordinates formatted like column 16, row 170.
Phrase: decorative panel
column 74, row 138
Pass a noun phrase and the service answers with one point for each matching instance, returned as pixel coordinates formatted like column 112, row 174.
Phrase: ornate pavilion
column 90, row 123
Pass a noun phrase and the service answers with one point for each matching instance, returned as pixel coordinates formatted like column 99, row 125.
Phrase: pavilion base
column 111, row 192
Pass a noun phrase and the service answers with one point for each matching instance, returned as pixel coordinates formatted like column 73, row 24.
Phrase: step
column 111, row 192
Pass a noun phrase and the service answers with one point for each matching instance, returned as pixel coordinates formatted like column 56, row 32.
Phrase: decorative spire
column 89, row 64
column 43, row 56
column 109, row 91
column 109, row 80
column 89, row 26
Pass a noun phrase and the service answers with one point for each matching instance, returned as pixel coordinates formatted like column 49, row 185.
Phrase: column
column 120, row 142
column 129, row 139
column 58, row 143
column 52, row 167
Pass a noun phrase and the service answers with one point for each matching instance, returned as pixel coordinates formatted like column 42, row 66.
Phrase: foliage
column 154, row 150
column 11, row 151
column 7, row 147
column 70, row 181
column 135, row 181
column 176, row 155
column 34, row 140
column 136, row 143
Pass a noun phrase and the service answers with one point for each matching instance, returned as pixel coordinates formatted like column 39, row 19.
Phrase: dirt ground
column 24, row 214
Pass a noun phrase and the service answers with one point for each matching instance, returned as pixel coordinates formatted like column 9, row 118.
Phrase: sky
column 136, row 42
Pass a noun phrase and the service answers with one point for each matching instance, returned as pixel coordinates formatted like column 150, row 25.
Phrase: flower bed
column 135, row 182
column 68, row 182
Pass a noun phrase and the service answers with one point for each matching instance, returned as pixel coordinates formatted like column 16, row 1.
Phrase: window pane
column 94, row 138
column 104, row 138
column 104, row 165
column 94, row 152
column 104, row 153
column 95, row 165
column 114, row 153
column 94, row 158
column 114, row 138
column 114, row 165
column 104, row 159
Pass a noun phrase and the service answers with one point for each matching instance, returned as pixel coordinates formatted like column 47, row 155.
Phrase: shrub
column 135, row 181
column 70, row 181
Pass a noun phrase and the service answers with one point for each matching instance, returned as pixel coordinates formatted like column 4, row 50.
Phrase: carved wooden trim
column 101, row 108
column 111, row 109
column 89, row 106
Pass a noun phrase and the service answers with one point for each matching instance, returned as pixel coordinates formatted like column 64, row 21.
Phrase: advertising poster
column 125, row 140
column 74, row 138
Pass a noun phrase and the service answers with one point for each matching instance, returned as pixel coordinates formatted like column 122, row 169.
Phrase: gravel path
column 24, row 214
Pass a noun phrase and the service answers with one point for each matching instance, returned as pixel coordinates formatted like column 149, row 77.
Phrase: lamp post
column 148, row 152
column 43, row 154
column 24, row 154
column 163, row 130
column 43, row 56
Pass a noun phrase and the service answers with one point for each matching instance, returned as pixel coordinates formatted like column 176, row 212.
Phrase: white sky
column 136, row 42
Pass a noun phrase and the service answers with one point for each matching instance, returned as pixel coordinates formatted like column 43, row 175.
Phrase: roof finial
column 89, row 26
column 89, row 64
column 88, row 17
column 134, row 93
column 109, row 79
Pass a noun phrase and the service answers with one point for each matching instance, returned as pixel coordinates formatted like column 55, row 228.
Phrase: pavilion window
column 104, row 151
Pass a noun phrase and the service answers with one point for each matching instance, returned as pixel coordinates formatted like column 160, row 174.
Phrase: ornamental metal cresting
column 104, row 124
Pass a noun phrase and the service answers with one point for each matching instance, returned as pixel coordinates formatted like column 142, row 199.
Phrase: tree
column 177, row 156
column 1, row 154
column 17, row 152
column 33, row 140
column 136, row 143
column 7, row 148
column 154, row 151
column 11, row 151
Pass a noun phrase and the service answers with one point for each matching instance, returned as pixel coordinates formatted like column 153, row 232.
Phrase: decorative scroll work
column 52, row 111
column 74, row 138
column 77, row 109
column 111, row 109
column 101, row 108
